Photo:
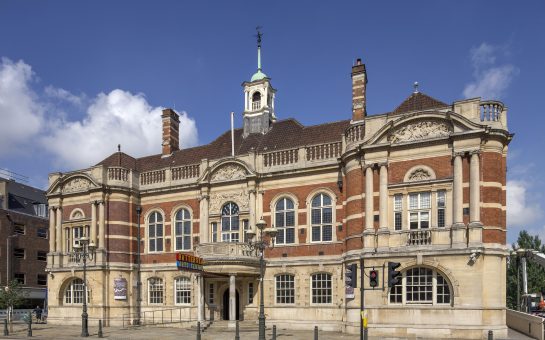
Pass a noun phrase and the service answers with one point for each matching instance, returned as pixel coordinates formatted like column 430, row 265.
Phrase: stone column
column 474, row 189
column 383, row 191
column 369, row 198
column 60, row 234
column 232, row 301
column 203, row 219
column 200, row 297
column 52, row 230
column 457, row 192
column 94, row 222
column 101, row 224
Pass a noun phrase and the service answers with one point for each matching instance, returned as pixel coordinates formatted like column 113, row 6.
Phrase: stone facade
column 423, row 185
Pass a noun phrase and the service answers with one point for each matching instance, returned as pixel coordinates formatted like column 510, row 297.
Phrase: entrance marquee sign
column 189, row 262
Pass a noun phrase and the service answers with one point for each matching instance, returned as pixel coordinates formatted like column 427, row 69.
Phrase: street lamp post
column 83, row 251
column 260, row 245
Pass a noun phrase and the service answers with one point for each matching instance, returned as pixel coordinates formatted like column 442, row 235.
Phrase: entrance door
column 226, row 305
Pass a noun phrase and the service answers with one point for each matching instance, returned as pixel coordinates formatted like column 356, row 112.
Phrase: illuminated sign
column 189, row 262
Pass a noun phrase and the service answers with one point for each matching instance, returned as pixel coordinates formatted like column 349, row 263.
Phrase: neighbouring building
column 24, row 228
column 422, row 185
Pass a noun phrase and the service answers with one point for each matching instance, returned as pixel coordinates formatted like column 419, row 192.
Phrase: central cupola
column 259, row 95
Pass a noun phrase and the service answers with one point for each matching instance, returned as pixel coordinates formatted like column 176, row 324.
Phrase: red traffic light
column 373, row 278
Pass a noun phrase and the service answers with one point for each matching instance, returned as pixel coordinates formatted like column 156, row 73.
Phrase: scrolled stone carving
column 217, row 200
column 228, row 172
column 420, row 130
column 76, row 184
column 419, row 175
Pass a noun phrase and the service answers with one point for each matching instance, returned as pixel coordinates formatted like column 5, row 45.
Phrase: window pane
column 316, row 201
column 398, row 199
column 290, row 219
column 280, row 236
column 316, row 216
column 290, row 235
column 425, row 200
column 327, row 233
column 280, row 220
column 280, row 204
column 315, row 234
column 441, row 198
column 289, row 204
column 159, row 244
column 413, row 201
column 327, row 215
column 327, row 200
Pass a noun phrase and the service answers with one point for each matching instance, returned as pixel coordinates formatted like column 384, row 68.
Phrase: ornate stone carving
column 76, row 184
column 217, row 200
column 419, row 175
column 419, row 130
column 228, row 172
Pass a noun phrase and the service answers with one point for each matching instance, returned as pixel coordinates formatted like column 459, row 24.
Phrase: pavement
column 44, row 331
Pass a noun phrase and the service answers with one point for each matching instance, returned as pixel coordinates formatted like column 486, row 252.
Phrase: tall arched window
column 74, row 293
column 182, row 229
column 285, row 221
column 256, row 101
column 229, row 223
column 182, row 290
column 423, row 286
column 155, row 232
column 322, row 218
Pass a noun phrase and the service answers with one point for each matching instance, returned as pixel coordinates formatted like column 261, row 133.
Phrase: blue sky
column 78, row 78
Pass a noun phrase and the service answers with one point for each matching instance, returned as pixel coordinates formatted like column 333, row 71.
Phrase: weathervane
column 259, row 35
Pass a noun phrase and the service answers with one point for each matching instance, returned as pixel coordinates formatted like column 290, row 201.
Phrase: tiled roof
column 284, row 134
column 418, row 101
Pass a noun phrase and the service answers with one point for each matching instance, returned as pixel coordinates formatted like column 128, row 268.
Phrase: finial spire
column 259, row 35
column 415, row 87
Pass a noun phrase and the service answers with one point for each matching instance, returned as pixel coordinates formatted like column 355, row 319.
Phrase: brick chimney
column 359, row 84
column 171, row 133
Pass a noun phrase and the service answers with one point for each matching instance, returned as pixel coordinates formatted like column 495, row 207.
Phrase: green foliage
column 536, row 273
column 12, row 295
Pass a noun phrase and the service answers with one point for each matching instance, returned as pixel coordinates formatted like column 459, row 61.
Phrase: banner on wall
column 189, row 262
column 120, row 289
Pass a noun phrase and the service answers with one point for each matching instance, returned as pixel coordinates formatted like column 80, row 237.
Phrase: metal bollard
column 274, row 332
column 29, row 332
column 315, row 332
column 100, row 335
column 6, row 332
column 237, row 331
column 198, row 330
column 490, row 335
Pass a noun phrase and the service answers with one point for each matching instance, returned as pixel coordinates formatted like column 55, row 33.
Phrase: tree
column 535, row 273
column 11, row 296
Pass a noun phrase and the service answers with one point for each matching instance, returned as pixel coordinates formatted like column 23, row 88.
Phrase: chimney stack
column 359, row 84
column 171, row 132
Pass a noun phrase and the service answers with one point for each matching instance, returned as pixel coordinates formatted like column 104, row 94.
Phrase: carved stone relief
column 217, row 200
column 420, row 130
column 76, row 184
column 419, row 175
column 228, row 172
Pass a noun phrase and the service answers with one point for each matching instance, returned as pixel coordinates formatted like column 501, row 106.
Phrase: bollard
column 274, row 332
column 490, row 335
column 365, row 333
column 6, row 332
column 315, row 332
column 100, row 335
column 29, row 332
column 198, row 330
column 237, row 331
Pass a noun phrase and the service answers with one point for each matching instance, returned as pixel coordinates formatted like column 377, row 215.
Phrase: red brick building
column 422, row 185
column 24, row 231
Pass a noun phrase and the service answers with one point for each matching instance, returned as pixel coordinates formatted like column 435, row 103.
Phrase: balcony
column 228, row 257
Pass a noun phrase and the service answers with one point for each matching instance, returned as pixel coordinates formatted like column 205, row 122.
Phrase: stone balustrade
column 324, row 151
column 185, row 172
column 491, row 110
column 226, row 251
column 118, row 174
column 282, row 157
column 355, row 133
column 152, row 177
column 407, row 240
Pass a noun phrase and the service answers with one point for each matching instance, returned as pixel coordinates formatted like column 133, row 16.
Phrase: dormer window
column 256, row 101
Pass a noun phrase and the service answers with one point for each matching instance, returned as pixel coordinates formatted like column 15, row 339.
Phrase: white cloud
column 21, row 116
column 489, row 80
column 521, row 211
column 118, row 117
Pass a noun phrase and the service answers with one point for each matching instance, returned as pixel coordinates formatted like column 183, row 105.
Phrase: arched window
column 182, row 229
column 285, row 221
column 182, row 290
column 229, row 223
column 256, row 101
column 74, row 293
column 155, row 232
column 322, row 218
column 285, row 289
column 321, row 291
column 155, row 291
column 423, row 286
